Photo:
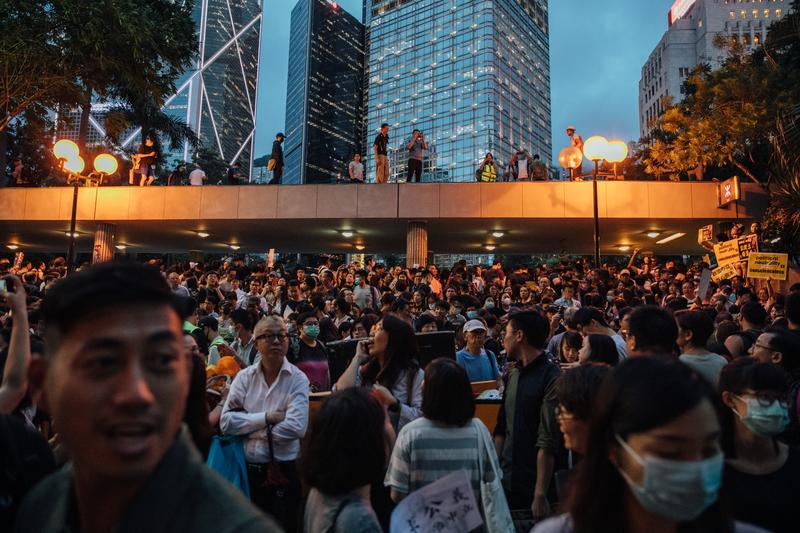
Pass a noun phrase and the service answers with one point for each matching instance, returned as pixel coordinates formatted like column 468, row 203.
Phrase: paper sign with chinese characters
column 445, row 506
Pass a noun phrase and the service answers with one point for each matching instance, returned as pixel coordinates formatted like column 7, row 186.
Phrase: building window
column 746, row 40
column 757, row 39
column 732, row 15
column 778, row 13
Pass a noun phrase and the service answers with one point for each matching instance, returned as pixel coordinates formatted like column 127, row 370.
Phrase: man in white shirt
column 255, row 292
column 356, row 169
column 197, row 176
column 268, row 406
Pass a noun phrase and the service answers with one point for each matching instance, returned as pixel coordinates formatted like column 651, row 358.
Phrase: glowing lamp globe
column 65, row 149
column 75, row 165
column 595, row 148
column 105, row 163
column 617, row 152
column 570, row 157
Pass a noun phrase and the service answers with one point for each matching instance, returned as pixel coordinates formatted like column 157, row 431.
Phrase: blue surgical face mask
column 472, row 314
column 764, row 421
column 311, row 331
column 489, row 305
column 676, row 490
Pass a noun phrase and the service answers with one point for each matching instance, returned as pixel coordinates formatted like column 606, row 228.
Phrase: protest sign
column 446, row 506
column 768, row 266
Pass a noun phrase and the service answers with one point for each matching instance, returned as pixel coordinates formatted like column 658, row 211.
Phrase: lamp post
column 617, row 152
column 596, row 149
column 68, row 155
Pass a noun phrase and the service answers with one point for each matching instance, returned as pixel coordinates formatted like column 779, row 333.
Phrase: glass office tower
column 217, row 97
column 324, row 96
column 472, row 75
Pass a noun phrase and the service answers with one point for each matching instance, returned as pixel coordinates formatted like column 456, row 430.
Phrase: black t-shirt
column 381, row 141
column 767, row 501
column 150, row 160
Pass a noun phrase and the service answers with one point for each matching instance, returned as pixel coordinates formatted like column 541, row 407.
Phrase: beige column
column 104, row 240
column 417, row 244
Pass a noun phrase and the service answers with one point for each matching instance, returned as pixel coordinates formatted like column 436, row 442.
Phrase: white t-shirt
column 196, row 176
column 357, row 170
column 522, row 169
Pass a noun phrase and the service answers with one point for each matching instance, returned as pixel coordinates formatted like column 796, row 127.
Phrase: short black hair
column 577, row 387
column 425, row 319
column 243, row 317
column 345, row 447
column 699, row 323
column 101, row 287
column 792, row 307
column 302, row 317
column 654, row 329
column 384, row 125
column 602, row 349
column 533, row 325
column 754, row 313
column 585, row 315
column 447, row 393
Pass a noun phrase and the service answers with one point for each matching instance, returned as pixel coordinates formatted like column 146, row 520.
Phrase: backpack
column 748, row 337
column 791, row 434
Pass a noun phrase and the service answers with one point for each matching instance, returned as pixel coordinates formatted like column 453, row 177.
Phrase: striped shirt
column 426, row 451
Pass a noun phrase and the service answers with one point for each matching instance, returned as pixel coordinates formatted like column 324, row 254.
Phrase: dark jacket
column 277, row 153
column 182, row 495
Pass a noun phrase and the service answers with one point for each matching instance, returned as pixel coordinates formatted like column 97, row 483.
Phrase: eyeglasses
column 272, row 337
column 762, row 346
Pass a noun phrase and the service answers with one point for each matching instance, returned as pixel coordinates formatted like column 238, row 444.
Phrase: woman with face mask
column 310, row 355
column 762, row 475
column 653, row 461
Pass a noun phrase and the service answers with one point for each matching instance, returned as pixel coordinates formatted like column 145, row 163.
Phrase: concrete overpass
column 541, row 217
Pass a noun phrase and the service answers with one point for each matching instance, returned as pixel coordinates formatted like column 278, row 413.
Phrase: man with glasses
column 480, row 364
column 268, row 406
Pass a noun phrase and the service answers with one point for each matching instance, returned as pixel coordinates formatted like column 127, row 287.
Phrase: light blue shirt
column 482, row 367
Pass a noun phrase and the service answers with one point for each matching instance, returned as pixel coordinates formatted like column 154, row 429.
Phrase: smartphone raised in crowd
column 2, row 284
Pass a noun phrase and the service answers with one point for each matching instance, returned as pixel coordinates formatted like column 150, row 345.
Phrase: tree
column 724, row 121
column 211, row 163
column 126, row 49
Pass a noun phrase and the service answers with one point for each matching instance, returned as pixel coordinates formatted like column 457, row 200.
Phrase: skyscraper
column 689, row 41
column 324, row 96
column 473, row 76
column 217, row 97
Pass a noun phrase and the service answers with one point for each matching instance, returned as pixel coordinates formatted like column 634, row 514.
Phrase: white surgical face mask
column 677, row 490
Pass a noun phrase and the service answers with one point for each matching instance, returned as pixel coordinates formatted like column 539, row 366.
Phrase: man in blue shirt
column 480, row 364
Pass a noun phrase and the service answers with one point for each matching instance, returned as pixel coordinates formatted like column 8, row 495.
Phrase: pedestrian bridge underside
column 543, row 217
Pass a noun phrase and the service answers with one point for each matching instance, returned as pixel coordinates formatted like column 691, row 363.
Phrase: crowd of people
column 627, row 400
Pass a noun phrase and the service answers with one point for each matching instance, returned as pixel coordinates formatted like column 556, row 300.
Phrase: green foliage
column 211, row 163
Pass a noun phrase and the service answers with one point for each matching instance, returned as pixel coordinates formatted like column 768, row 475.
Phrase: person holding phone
column 415, row 149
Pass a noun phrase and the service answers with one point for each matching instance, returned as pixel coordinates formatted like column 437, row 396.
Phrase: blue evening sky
column 597, row 49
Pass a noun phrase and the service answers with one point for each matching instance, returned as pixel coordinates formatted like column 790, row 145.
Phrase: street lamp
column 68, row 155
column 617, row 152
column 596, row 149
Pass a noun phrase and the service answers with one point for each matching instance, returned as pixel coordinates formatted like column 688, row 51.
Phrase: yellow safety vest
column 489, row 173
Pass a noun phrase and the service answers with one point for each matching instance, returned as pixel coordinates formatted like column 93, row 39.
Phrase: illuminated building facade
column 689, row 41
column 324, row 94
column 473, row 76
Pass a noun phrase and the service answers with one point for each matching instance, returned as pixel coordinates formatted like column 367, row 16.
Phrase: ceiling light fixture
column 490, row 247
column 68, row 234
column 360, row 247
column 348, row 233
column 624, row 248
column 235, row 246
column 120, row 247
column 498, row 234
column 12, row 246
column 203, row 234
column 653, row 234
column 671, row 238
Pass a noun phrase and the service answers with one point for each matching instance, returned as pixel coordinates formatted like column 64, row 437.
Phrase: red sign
column 679, row 9
column 728, row 191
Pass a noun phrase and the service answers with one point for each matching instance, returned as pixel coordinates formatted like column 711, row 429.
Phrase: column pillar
column 417, row 244
column 104, row 240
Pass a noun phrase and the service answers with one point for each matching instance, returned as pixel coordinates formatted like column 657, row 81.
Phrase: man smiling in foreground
column 117, row 382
